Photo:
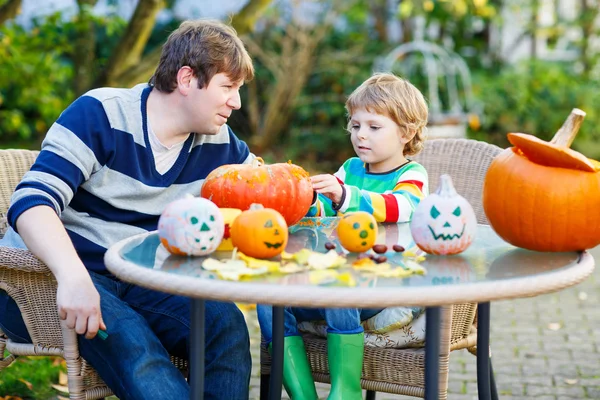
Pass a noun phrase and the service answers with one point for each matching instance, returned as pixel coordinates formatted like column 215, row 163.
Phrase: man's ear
column 185, row 80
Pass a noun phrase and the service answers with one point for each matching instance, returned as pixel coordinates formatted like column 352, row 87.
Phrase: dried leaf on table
column 331, row 259
column 291, row 268
column 236, row 274
column 212, row 264
column 323, row 276
column 251, row 262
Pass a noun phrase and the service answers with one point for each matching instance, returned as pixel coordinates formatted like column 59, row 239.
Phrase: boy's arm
column 321, row 207
column 396, row 205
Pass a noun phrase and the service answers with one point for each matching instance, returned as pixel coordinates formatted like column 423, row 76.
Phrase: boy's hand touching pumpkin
column 329, row 186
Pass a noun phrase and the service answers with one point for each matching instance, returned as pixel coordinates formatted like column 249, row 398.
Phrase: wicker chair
column 31, row 284
column 402, row 371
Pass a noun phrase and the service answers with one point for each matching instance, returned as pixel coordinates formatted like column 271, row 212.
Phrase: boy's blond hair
column 208, row 47
column 386, row 94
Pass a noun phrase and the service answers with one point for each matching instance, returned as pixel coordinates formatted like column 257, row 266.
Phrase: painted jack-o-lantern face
column 191, row 226
column 260, row 232
column 357, row 231
column 444, row 222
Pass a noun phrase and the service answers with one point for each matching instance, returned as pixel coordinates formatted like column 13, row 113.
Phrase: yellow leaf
column 28, row 384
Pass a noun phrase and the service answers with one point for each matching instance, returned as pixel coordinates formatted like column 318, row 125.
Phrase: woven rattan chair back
column 31, row 284
column 402, row 371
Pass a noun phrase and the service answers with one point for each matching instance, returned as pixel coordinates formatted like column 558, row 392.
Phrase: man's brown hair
column 208, row 47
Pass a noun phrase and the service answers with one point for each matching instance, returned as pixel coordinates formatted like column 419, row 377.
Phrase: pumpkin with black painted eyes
column 444, row 222
column 260, row 232
column 191, row 226
column 357, row 231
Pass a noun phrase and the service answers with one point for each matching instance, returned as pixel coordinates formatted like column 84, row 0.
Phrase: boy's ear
column 407, row 135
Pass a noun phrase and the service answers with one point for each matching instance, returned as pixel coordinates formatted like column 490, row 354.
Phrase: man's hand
column 78, row 304
column 77, row 299
column 327, row 185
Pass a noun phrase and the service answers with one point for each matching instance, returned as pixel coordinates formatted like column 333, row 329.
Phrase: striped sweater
column 97, row 171
column 391, row 196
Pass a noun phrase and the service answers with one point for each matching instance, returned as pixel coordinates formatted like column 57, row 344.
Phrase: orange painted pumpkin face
column 357, row 231
column 260, row 233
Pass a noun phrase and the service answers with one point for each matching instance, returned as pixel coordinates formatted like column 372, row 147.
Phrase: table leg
column 197, row 351
column 483, row 351
column 276, row 354
column 432, row 352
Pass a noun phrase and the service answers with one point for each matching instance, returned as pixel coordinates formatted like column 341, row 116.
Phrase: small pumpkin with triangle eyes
column 191, row 226
column 444, row 222
column 357, row 231
column 260, row 232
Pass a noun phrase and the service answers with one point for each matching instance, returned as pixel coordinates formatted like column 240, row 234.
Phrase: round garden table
column 490, row 269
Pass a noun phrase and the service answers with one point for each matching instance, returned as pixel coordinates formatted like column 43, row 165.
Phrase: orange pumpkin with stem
column 545, row 196
column 284, row 187
column 260, row 232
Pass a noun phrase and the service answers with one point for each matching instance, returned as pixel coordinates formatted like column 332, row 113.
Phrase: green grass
column 31, row 378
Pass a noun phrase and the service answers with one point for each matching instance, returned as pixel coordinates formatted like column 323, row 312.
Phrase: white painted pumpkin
column 191, row 226
column 444, row 222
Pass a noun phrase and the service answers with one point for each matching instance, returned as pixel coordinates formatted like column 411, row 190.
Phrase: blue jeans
column 339, row 320
column 144, row 327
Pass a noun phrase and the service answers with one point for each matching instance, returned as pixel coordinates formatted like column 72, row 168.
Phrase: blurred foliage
column 36, row 73
column 536, row 97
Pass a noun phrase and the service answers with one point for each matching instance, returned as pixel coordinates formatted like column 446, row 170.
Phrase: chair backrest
column 466, row 161
column 13, row 165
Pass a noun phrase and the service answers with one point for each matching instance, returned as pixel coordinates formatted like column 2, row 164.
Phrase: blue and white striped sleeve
column 76, row 146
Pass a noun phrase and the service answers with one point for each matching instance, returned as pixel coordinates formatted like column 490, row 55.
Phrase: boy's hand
column 327, row 185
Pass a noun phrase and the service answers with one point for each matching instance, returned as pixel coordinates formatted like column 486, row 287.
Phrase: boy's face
column 209, row 108
column 377, row 140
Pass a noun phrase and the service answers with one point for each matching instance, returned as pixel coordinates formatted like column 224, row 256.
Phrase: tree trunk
column 244, row 21
column 129, row 50
column 9, row 10
column 143, row 70
column 379, row 11
column 85, row 48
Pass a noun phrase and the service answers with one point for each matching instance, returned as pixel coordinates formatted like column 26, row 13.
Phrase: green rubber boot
column 345, row 355
column 297, row 376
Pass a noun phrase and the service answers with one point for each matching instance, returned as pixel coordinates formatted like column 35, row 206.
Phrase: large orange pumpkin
column 544, row 196
column 284, row 187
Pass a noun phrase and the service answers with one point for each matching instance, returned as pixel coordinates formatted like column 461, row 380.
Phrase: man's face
column 210, row 107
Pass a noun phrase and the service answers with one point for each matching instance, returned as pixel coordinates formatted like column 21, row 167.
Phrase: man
column 108, row 166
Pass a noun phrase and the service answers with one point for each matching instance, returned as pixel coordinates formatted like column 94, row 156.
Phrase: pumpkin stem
column 256, row 206
column 446, row 188
column 257, row 162
column 566, row 134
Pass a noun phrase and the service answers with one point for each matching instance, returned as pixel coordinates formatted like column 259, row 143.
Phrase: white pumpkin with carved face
column 444, row 222
column 191, row 226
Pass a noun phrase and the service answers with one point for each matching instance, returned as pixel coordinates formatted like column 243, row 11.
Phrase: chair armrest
column 22, row 260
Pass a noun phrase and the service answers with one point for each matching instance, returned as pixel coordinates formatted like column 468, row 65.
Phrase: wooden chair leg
column 370, row 395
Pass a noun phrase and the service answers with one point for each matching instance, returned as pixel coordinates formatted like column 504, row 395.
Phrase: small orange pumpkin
column 544, row 196
column 260, row 232
column 357, row 231
column 284, row 187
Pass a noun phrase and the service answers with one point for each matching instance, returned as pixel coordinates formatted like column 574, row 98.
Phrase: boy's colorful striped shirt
column 390, row 196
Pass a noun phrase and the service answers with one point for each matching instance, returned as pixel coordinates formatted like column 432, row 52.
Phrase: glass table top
column 489, row 258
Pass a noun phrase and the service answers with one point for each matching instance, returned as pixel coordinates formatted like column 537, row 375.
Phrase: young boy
column 387, row 117
column 107, row 168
